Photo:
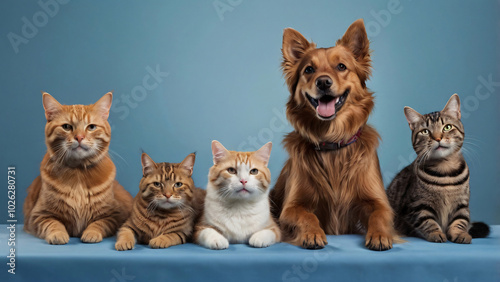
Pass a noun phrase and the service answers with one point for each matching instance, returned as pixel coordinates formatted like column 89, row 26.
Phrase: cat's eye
column 92, row 127
column 447, row 127
column 309, row 70
column 231, row 170
column 254, row 171
column 424, row 132
column 341, row 67
column 67, row 126
column 157, row 184
column 178, row 184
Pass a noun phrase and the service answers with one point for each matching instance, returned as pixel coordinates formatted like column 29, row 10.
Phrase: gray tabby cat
column 430, row 197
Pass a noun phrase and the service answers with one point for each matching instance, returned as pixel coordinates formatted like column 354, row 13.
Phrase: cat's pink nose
column 438, row 139
column 168, row 195
column 79, row 137
column 243, row 181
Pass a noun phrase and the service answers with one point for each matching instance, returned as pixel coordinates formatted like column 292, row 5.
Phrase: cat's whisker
column 471, row 155
column 180, row 209
column 152, row 207
column 114, row 153
column 468, row 137
column 183, row 206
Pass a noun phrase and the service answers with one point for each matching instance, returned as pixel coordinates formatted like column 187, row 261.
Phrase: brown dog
column 332, row 182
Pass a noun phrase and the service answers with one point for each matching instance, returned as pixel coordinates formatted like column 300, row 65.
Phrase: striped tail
column 479, row 230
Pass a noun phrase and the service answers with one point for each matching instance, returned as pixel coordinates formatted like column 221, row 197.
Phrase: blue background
column 224, row 80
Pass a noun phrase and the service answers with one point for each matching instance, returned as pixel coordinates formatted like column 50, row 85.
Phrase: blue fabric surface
column 344, row 259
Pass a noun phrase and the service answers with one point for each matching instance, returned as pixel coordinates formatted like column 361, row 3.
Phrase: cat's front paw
column 378, row 241
column 124, row 245
column 160, row 242
column 313, row 239
column 436, row 237
column 210, row 238
column 57, row 238
column 91, row 236
column 460, row 238
column 262, row 239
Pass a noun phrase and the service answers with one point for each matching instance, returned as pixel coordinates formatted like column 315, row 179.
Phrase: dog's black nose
column 323, row 82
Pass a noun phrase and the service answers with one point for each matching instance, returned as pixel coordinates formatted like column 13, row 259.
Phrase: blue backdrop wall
column 187, row 72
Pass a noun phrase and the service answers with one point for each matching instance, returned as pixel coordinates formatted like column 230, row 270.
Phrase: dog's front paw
column 460, row 238
column 436, row 237
column 91, row 236
column 377, row 241
column 315, row 239
column 262, row 239
column 210, row 238
column 57, row 238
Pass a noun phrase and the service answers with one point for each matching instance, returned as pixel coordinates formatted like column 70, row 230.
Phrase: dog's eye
column 341, row 67
column 309, row 70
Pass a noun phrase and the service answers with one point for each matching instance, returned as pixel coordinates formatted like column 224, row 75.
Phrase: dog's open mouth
column 327, row 106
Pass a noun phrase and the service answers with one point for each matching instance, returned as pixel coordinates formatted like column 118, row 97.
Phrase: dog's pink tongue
column 326, row 109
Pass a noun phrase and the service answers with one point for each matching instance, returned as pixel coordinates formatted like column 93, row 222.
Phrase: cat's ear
column 452, row 108
column 264, row 153
column 188, row 163
column 103, row 105
column 219, row 152
column 51, row 106
column 412, row 117
column 356, row 40
column 294, row 45
column 148, row 165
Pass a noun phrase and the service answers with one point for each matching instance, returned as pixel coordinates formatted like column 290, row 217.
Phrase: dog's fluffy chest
column 337, row 190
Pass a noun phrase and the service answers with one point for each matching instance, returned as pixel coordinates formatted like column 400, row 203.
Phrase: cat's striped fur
column 165, row 208
column 76, row 193
column 430, row 197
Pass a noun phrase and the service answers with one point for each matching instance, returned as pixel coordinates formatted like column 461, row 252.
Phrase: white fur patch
column 262, row 239
column 210, row 238
column 237, row 219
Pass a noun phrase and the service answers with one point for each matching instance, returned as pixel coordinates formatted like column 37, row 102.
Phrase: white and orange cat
column 76, row 194
column 237, row 206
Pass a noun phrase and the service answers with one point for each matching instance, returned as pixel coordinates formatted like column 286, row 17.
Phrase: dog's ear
column 294, row 45
column 452, row 108
column 412, row 117
column 356, row 40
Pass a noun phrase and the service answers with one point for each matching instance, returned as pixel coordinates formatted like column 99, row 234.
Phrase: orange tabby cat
column 165, row 208
column 76, row 193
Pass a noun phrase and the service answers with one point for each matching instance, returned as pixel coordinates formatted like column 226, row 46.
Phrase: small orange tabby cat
column 237, row 204
column 76, row 193
column 165, row 208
